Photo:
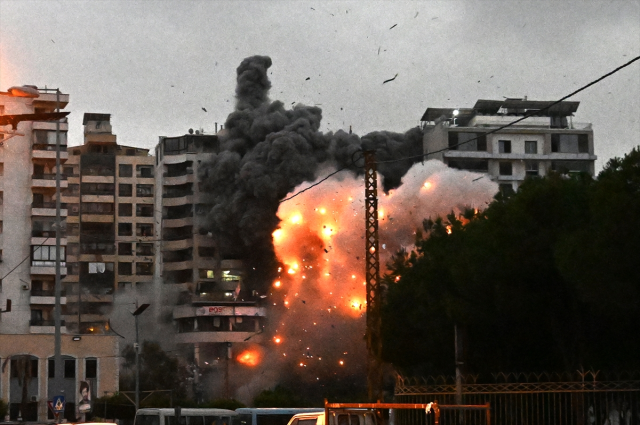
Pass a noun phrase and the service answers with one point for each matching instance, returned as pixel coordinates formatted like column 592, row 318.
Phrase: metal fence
column 578, row 398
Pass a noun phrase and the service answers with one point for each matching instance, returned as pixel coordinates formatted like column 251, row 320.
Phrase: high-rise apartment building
column 547, row 141
column 110, row 223
column 28, row 233
column 213, row 310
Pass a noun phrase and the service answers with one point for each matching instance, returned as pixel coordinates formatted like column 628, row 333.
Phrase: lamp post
column 135, row 314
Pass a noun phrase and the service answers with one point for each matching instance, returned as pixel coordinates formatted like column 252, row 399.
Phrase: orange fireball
column 249, row 358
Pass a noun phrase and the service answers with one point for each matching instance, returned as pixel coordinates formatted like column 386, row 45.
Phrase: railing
column 47, row 205
column 46, row 293
column 42, row 322
column 48, row 147
column 43, row 233
column 47, row 177
column 579, row 398
column 177, row 194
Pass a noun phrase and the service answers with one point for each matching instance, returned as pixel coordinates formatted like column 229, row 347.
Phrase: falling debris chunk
column 307, row 79
column 204, row 109
column 393, row 26
column 304, row 302
column 390, row 79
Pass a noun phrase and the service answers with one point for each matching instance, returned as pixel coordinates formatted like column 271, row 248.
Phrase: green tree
column 532, row 282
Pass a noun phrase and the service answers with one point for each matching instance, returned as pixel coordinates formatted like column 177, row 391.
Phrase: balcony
column 90, row 298
column 178, row 222
column 228, row 336
column 46, row 151
column 178, row 265
column 48, row 209
column 178, row 180
column 48, row 181
column 51, row 125
column 41, row 326
column 48, row 269
column 176, row 244
column 48, row 297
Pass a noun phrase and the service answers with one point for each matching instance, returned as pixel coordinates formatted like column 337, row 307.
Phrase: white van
column 270, row 415
column 336, row 417
column 188, row 416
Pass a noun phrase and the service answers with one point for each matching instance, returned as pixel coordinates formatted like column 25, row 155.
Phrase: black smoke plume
column 266, row 151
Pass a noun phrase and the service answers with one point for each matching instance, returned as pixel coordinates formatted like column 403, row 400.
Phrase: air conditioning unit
column 25, row 287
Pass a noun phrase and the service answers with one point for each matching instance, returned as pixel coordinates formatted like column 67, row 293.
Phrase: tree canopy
column 542, row 280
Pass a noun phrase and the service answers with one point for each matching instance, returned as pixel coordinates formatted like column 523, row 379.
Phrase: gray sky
column 154, row 64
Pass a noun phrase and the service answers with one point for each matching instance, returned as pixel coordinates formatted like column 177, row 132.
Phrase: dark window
column 144, row 171
column 570, row 143
column 144, row 249
column 144, row 269
column 124, row 269
column 532, row 168
column 144, row 190
column 206, row 251
column 125, row 189
column 504, row 146
column 125, row 248
column 69, row 368
column 91, row 368
column 530, row 146
column 125, row 210
column 130, row 152
column 565, row 167
column 470, row 165
column 583, row 143
column 97, row 208
column 52, row 368
column 505, row 169
column 467, row 141
column 506, row 189
column 125, row 229
column 144, row 210
column 144, row 229
column 126, row 170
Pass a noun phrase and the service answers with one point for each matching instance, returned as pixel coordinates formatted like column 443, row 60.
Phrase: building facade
column 28, row 233
column 110, row 224
column 547, row 141
column 212, row 310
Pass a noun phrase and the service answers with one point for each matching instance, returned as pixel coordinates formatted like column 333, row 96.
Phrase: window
column 206, row 274
column 144, row 210
column 97, row 208
column 505, row 169
column 470, row 165
column 123, row 286
column 468, row 141
column 52, row 368
column 532, row 168
column 506, row 189
column 144, row 249
column 95, row 268
column 144, row 229
column 565, row 167
column 69, row 368
column 144, row 269
column 125, row 210
column 125, row 229
column 124, row 269
column 130, row 152
column 144, row 171
column 124, row 248
column 530, row 146
column 91, row 368
column 504, row 146
column 570, row 143
column 125, row 190
column 45, row 255
column 144, row 190
column 125, row 170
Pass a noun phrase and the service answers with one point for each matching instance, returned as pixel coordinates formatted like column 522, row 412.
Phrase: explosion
column 249, row 358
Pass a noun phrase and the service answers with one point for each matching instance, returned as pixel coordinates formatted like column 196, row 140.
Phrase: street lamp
column 135, row 314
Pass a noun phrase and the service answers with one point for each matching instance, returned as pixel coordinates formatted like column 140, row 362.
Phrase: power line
column 24, row 259
column 528, row 115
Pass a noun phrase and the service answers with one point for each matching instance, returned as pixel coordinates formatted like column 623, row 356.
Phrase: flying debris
column 307, row 79
column 390, row 79
column 204, row 109
column 416, row 15
column 393, row 26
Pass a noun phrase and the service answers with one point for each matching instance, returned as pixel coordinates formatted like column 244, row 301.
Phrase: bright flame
column 449, row 230
column 296, row 219
column 277, row 339
column 277, row 234
column 427, row 185
column 341, row 362
column 322, row 210
column 249, row 358
column 277, row 284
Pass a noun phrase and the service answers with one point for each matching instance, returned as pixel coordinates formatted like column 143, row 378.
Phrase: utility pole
column 137, row 313
column 57, row 380
column 374, row 341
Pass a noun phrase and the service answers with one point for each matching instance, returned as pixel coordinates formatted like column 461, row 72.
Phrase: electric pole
column 374, row 341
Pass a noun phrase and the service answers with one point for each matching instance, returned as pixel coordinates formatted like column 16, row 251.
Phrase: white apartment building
column 548, row 141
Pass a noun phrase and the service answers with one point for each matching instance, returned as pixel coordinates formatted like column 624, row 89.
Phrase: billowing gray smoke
column 266, row 151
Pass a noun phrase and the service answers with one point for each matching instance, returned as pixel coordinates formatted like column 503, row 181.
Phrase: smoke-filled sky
column 154, row 65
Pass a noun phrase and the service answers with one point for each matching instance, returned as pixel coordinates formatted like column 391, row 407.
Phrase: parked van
column 271, row 415
column 337, row 417
column 188, row 416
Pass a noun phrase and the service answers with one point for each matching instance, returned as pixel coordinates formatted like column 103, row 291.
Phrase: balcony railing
column 46, row 293
column 47, row 177
column 42, row 322
column 43, row 234
column 47, row 147
column 178, row 194
column 48, row 205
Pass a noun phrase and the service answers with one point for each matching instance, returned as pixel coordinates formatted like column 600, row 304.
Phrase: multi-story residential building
column 548, row 141
column 28, row 268
column 110, row 226
column 214, row 309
